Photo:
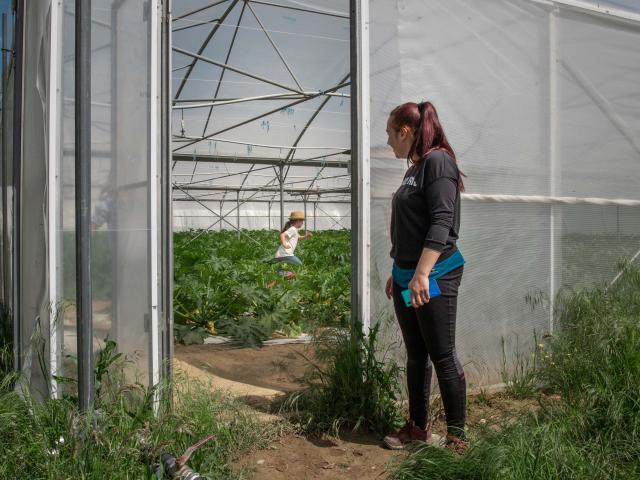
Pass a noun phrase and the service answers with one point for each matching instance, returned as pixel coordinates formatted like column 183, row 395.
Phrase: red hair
column 428, row 133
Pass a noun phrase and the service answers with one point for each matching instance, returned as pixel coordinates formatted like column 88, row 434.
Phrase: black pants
column 429, row 334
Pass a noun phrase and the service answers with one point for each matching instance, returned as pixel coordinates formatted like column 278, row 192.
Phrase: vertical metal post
column 220, row 222
column 269, row 215
column 167, row 191
column 16, row 184
column 554, row 215
column 3, row 141
column 238, row 212
column 281, row 179
column 306, row 224
column 83, row 202
column 4, row 48
column 315, row 215
column 154, row 184
column 360, row 165
column 53, row 183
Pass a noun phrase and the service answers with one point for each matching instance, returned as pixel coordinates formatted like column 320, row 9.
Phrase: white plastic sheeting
column 125, row 164
column 537, row 98
column 296, row 54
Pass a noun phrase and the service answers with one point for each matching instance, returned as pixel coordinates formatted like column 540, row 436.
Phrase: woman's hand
column 388, row 289
column 419, row 286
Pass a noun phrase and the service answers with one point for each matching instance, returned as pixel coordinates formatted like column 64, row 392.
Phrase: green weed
column 519, row 369
column 349, row 387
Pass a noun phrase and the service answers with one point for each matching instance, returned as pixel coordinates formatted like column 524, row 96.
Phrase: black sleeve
column 441, row 199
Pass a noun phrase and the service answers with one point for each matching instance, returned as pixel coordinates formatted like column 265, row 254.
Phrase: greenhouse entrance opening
column 261, row 132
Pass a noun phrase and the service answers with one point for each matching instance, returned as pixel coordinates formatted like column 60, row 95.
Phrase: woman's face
column 399, row 140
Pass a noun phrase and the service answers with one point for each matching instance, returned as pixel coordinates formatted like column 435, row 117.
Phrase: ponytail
column 428, row 132
column 286, row 227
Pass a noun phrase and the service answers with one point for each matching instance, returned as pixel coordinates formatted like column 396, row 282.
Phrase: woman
column 424, row 228
column 289, row 237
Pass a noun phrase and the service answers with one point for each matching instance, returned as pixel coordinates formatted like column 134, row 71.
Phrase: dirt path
column 280, row 368
column 356, row 456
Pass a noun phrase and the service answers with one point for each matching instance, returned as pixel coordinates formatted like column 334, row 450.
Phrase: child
column 289, row 239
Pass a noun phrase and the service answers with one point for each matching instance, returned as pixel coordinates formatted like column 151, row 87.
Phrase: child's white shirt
column 292, row 237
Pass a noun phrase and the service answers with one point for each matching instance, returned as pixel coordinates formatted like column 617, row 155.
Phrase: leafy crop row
column 224, row 283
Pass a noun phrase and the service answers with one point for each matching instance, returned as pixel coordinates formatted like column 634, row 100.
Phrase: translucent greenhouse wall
column 541, row 103
column 126, row 214
column 124, row 187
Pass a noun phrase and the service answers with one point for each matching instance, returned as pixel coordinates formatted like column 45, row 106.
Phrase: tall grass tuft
column 350, row 387
column 591, row 429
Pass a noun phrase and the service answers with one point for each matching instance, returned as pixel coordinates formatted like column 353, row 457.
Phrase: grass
column 350, row 387
column 590, row 427
column 519, row 369
column 122, row 436
column 221, row 284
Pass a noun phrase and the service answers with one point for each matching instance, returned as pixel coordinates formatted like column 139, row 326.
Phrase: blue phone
column 434, row 291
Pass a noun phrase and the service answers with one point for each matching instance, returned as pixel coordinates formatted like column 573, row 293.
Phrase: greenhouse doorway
column 261, row 131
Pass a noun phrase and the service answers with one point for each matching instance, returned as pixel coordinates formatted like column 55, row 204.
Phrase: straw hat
column 296, row 215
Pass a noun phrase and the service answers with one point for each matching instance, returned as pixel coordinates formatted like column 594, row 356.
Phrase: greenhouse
column 155, row 153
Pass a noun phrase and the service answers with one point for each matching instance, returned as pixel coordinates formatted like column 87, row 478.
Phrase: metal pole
column 167, row 192
column 305, row 212
column 315, row 208
column 83, row 202
column 3, row 141
column 269, row 214
column 281, row 179
column 16, row 183
column 360, row 190
column 238, row 212
column 554, row 211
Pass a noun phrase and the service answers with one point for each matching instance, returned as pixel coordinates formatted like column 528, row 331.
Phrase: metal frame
column 167, row 196
column 3, row 143
column 16, row 230
column 154, row 169
column 83, row 202
column 53, row 216
column 555, row 224
column 295, row 95
column 360, row 148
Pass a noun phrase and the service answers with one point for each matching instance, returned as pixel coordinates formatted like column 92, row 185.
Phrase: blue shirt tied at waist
column 402, row 276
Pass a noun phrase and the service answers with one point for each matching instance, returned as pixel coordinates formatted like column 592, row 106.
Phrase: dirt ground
column 277, row 367
column 355, row 456
column 259, row 375
column 282, row 368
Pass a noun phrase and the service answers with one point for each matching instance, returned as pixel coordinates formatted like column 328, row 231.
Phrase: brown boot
column 407, row 434
column 456, row 444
